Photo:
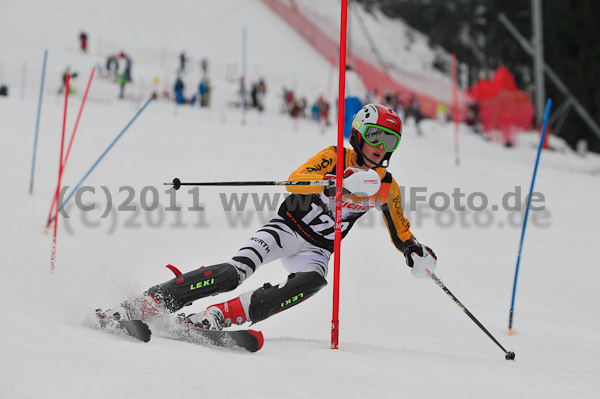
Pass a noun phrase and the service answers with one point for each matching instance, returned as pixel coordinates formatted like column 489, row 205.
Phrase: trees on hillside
column 471, row 30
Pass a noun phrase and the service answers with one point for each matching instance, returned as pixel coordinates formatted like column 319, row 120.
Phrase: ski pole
column 178, row 183
column 508, row 354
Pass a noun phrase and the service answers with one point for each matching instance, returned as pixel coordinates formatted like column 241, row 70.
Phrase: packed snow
column 399, row 336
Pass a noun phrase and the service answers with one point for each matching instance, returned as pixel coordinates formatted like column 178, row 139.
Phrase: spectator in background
column 442, row 112
column 295, row 111
column 387, row 99
column 204, row 66
column 323, row 110
column 320, row 111
column 413, row 109
column 63, row 78
column 262, row 92
column 257, row 94
column 288, row 101
column 262, row 85
column 83, row 40
column 254, row 95
column 66, row 72
column 128, row 63
column 314, row 111
column 122, row 81
column 112, row 66
column 473, row 120
column 182, row 62
column 299, row 108
column 303, row 106
column 178, row 88
column 399, row 107
column 204, row 89
column 243, row 93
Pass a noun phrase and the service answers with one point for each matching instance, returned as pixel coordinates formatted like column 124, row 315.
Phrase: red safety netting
column 502, row 106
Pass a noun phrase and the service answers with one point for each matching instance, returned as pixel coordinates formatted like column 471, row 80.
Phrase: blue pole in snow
column 37, row 122
column 537, row 161
column 244, row 103
column 100, row 159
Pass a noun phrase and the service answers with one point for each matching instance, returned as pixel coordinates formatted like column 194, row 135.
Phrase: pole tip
column 510, row 331
column 510, row 356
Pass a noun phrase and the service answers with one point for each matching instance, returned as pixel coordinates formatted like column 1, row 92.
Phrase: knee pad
column 188, row 287
column 269, row 300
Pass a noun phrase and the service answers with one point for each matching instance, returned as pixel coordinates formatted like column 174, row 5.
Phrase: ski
column 135, row 328
column 249, row 340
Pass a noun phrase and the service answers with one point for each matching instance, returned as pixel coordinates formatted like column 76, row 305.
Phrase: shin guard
column 188, row 287
column 269, row 300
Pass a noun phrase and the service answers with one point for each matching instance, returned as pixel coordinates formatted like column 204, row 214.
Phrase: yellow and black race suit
column 311, row 213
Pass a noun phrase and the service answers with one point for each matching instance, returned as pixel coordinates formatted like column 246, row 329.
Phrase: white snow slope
column 400, row 337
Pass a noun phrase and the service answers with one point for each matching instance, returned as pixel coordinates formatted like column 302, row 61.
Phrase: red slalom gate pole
column 60, row 170
column 55, row 200
column 335, row 323
column 455, row 110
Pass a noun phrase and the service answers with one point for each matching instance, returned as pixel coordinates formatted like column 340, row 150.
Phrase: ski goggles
column 376, row 135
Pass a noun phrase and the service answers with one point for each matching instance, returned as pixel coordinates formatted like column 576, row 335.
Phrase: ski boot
column 221, row 315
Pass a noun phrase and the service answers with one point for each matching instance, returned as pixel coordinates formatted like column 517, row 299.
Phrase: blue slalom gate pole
column 537, row 161
column 37, row 123
column 244, row 103
column 100, row 159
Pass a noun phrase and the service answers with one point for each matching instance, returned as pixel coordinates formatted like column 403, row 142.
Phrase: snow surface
column 400, row 337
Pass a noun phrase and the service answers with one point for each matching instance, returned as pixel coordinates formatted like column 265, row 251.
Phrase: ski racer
column 301, row 235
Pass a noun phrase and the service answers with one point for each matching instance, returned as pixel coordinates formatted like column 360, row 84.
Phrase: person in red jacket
column 301, row 235
column 83, row 40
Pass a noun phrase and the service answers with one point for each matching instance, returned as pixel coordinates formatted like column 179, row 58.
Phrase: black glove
column 412, row 246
